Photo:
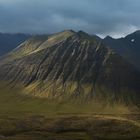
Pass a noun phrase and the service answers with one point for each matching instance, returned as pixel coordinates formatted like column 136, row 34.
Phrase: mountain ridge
column 76, row 65
column 127, row 47
column 9, row 41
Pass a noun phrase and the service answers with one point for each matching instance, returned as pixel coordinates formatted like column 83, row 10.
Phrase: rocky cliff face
column 70, row 64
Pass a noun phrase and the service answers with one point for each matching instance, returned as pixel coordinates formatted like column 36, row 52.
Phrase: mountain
column 11, row 41
column 72, row 65
column 96, row 37
column 128, row 47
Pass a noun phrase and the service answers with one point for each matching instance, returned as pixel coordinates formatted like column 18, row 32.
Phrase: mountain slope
column 128, row 47
column 72, row 65
column 10, row 41
column 36, row 43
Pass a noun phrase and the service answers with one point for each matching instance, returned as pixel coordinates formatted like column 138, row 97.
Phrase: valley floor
column 28, row 118
column 69, row 127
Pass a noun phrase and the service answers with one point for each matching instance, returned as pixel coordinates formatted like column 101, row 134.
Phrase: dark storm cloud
column 46, row 16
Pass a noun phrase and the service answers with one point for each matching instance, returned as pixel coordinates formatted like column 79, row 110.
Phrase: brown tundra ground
column 28, row 118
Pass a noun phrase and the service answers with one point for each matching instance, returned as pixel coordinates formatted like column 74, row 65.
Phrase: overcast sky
column 102, row 17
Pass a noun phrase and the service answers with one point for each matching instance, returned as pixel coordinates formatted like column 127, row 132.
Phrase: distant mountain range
column 75, row 65
column 128, row 47
column 11, row 41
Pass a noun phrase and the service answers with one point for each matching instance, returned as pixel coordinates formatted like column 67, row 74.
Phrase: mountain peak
column 108, row 37
column 83, row 34
column 134, row 34
column 137, row 32
column 69, row 31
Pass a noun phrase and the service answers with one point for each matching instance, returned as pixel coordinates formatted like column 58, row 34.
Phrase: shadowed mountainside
column 128, row 47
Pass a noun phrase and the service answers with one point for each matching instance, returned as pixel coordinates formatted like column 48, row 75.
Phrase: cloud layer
column 103, row 17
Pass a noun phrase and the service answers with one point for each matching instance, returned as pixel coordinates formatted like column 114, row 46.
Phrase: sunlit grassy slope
column 15, row 101
column 36, row 44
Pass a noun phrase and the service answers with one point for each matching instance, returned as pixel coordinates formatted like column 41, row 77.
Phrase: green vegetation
column 71, row 127
column 24, row 117
column 15, row 100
